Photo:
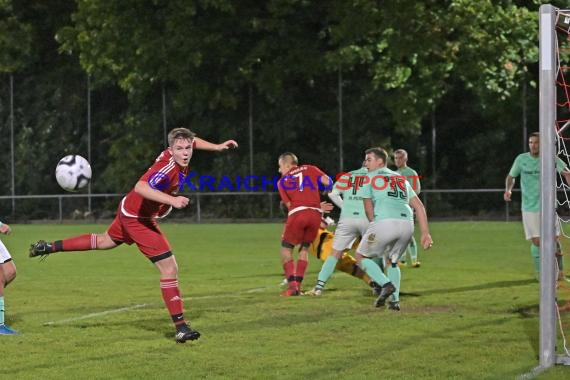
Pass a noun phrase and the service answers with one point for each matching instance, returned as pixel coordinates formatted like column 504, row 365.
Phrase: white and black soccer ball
column 73, row 172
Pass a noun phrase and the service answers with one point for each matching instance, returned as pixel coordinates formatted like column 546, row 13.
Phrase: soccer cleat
column 394, row 305
column 314, row 292
column 5, row 330
column 290, row 292
column 41, row 248
column 386, row 292
column 376, row 288
column 185, row 333
column 416, row 264
column 284, row 283
column 402, row 264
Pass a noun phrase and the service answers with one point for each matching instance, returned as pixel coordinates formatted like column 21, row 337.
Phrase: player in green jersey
column 352, row 223
column 387, row 198
column 527, row 166
column 401, row 160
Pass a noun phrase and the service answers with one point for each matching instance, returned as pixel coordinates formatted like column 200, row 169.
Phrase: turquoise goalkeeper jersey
column 528, row 167
column 391, row 195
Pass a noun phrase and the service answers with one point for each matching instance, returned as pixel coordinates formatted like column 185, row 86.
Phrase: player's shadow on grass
column 530, row 324
column 530, row 315
column 462, row 289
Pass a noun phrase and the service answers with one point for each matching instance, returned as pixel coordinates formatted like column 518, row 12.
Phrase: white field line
column 94, row 315
column 140, row 306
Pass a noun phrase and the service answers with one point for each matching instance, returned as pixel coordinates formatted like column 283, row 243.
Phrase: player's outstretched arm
column 335, row 197
column 206, row 145
column 421, row 217
column 509, row 183
column 144, row 190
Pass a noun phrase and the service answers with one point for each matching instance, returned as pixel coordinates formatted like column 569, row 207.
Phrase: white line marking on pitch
column 139, row 306
column 93, row 315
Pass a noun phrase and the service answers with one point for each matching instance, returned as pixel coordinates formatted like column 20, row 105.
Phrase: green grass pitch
column 469, row 312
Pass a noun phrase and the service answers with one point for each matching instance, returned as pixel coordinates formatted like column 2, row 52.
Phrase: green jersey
column 349, row 186
column 528, row 167
column 391, row 194
column 412, row 177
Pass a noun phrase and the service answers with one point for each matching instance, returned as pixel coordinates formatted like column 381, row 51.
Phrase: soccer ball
column 73, row 172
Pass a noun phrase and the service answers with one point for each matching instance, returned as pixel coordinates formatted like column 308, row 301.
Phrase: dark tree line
column 399, row 68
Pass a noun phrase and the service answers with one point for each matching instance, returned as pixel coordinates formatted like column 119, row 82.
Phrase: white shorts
column 388, row 238
column 531, row 224
column 347, row 231
column 4, row 254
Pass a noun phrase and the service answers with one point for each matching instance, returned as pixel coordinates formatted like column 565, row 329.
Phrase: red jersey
column 300, row 186
column 163, row 175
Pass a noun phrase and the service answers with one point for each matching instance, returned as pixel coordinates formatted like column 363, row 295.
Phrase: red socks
column 84, row 242
column 300, row 270
column 295, row 273
column 172, row 300
column 289, row 268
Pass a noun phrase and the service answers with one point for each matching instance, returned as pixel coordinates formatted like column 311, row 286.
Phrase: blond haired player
column 153, row 197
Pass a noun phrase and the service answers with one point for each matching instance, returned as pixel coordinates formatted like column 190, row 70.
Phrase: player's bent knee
column 166, row 264
column 104, row 241
column 159, row 258
column 9, row 271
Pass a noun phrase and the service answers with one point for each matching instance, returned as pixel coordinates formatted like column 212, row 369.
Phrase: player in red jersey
column 153, row 196
column 299, row 188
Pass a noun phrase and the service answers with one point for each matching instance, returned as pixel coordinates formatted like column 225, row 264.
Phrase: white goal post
column 548, row 67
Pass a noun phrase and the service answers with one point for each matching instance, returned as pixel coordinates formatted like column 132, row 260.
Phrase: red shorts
column 144, row 232
column 302, row 227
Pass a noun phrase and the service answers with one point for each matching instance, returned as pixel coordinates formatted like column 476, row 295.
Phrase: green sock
column 374, row 272
column 535, row 254
column 326, row 271
column 413, row 248
column 395, row 276
column 2, row 310
column 380, row 262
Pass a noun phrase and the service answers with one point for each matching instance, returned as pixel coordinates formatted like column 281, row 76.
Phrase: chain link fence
column 255, row 206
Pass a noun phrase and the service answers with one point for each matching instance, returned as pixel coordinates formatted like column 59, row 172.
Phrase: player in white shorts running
column 7, row 275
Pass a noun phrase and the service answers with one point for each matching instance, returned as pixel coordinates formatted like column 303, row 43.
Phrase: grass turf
column 469, row 312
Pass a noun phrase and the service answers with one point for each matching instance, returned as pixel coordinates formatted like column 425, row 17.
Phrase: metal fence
column 450, row 204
